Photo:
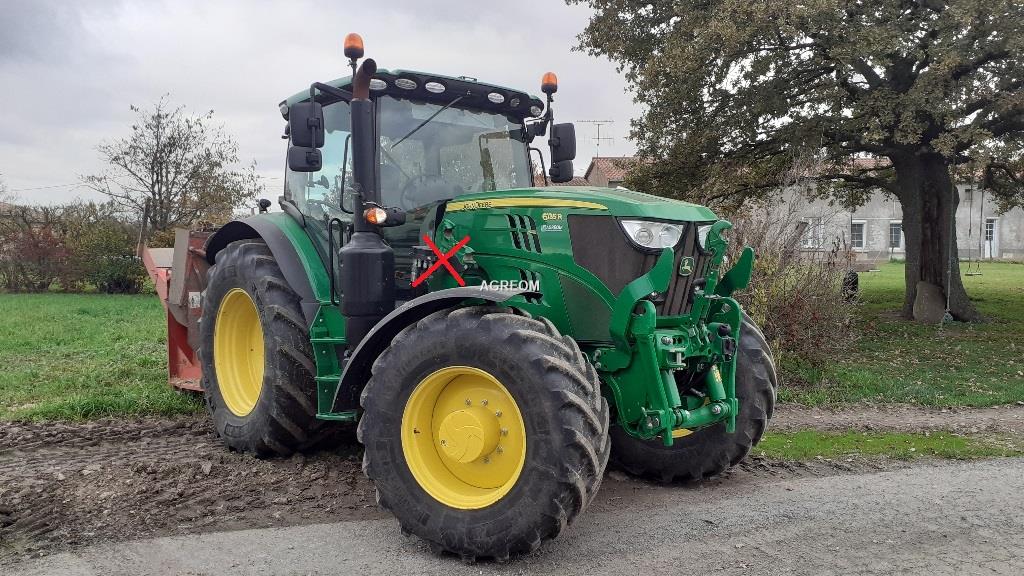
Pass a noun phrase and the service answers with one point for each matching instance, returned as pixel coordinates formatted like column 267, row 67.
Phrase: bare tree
column 182, row 165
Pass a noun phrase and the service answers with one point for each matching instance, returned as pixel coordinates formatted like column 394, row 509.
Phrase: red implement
column 179, row 274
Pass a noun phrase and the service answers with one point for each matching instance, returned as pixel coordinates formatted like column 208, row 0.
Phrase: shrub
column 796, row 296
column 33, row 254
column 71, row 247
column 103, row 250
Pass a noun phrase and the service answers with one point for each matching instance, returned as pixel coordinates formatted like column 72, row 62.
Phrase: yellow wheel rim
column 463, row 437
column 238, row 354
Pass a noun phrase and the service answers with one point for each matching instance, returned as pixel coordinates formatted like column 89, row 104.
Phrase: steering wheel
column 423, row 189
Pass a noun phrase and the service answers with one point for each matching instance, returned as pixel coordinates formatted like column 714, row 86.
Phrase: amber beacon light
column 353, row 46
column 549, row 83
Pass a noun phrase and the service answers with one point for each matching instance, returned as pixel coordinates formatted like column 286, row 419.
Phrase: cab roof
column 413, row 84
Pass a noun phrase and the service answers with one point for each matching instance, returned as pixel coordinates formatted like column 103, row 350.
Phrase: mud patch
column 69, row 484
column 65, row 485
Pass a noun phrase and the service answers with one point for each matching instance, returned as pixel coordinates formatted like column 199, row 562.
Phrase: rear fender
column 357, row 370
column 271, row 229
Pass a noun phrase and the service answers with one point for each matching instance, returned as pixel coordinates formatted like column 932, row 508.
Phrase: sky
column 69, row 70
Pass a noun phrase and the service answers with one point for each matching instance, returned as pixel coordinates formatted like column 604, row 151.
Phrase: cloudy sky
column 69, row 69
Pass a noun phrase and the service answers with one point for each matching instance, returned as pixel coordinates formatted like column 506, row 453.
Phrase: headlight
column 653, row 234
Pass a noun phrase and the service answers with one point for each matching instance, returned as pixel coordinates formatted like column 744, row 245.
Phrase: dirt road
column 901, row 418
column 71, row 487
column 954, row 518
column 66, row 485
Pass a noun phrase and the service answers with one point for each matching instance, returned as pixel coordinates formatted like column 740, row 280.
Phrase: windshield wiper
column 427, row 121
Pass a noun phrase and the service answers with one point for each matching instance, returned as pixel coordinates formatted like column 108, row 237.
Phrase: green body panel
column 636, row 352
column 327, row 333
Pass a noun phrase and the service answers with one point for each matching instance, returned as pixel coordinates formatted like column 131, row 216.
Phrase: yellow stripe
column 515, row 202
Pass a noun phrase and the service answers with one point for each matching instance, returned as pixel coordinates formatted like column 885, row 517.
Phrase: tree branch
column 862, row 179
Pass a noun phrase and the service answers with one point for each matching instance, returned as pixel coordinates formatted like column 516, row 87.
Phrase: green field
column 80, row 356
column 77, row 356
column 898, row 361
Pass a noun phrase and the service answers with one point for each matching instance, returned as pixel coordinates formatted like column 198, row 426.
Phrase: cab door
column 319, row 196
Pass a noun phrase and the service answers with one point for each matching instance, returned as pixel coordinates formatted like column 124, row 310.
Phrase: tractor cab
column 436, row 138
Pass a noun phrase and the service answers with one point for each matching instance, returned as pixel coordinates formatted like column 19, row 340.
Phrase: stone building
column 874, row 231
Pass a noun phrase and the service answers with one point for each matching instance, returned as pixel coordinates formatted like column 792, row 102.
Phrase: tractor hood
column 614, row 201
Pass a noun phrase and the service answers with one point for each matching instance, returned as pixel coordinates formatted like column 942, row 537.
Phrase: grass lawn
column 808, row 444
column 77, row 356
column 900, row 361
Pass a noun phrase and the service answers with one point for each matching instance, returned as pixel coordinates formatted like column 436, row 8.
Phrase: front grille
column 523, row 230
column 678, row 297
column 600, row 246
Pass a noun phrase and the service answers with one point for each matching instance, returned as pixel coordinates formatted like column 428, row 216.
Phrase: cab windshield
column 458, row 151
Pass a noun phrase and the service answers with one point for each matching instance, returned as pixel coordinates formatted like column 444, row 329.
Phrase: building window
column 990, row 229
column 896, row 235
column 857, row 235
column 813, row 233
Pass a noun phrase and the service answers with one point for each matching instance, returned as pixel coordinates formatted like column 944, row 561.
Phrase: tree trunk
column 929, row 200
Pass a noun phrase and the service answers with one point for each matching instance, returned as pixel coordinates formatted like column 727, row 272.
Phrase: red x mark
column 442, row 259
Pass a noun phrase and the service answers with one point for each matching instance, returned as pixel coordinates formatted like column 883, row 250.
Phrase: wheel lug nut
column 498, row 413
column 483, row 402
column 499, row 450
column 487, row 460
column 504, row 431
column 469, row 402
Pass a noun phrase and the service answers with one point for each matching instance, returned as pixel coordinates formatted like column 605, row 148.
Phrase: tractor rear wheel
column 711, row 450
column 258, row 371
column 485, row 431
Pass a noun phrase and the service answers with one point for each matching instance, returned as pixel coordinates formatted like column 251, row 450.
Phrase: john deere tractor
column 495, row 338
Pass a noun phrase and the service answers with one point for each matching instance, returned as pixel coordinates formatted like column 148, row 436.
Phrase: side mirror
column 304, row 159
column 561, row 171
column 562, row 143
column 306, row 124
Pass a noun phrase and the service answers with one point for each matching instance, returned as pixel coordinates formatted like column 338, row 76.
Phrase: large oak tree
column 737, row 90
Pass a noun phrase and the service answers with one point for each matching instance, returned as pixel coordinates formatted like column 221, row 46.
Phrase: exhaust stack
column 367, row 262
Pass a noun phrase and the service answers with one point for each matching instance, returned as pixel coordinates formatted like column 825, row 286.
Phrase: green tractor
column 496, row 341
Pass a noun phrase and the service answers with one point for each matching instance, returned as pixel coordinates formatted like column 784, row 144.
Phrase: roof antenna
column 597, row 139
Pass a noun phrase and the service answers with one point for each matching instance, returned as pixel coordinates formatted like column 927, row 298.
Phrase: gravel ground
column 901, row 418
column 68, row 487
column 939, row 518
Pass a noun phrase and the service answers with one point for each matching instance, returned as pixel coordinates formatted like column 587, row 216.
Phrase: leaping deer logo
column 686, row 266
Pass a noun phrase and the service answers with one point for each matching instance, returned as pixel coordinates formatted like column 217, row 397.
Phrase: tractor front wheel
column 256, row 356
column 711, row 450
column 485, row 431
